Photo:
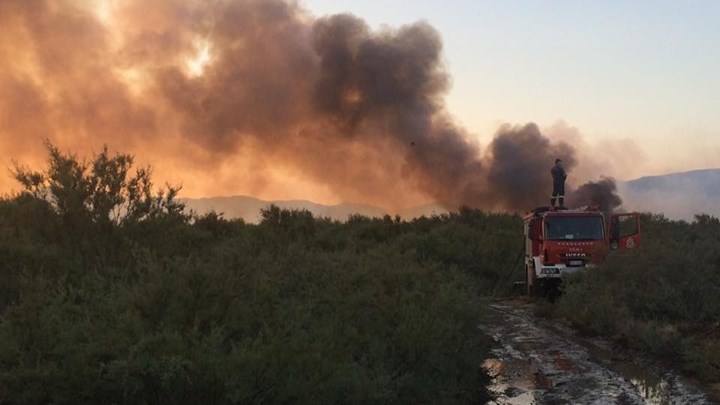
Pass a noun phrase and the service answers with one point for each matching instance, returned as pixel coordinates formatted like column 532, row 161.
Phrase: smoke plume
column 229, row 96
column 602, row 193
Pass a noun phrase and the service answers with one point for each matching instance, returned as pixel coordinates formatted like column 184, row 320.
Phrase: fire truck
column 561, row 241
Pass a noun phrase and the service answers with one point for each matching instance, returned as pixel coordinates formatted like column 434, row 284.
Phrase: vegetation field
column 111, row 292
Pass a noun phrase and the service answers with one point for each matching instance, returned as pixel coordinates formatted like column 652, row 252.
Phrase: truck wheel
column 553, row 290
column 530, row 281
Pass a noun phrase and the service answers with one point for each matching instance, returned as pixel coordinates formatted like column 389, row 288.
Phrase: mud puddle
column 539, row 363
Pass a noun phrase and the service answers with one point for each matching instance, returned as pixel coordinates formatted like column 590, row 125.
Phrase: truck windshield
column 574, row 228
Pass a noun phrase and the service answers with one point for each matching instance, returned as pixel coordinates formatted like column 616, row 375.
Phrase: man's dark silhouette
column 559, row 176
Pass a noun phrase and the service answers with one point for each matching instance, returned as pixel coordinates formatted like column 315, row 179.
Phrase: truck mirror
column 614, row 229
column 532, row 230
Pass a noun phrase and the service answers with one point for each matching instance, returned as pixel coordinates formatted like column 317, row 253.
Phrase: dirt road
column 537, row 362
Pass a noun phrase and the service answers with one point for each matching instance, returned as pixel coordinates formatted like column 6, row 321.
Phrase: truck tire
column 530, row 281
column 552, row 290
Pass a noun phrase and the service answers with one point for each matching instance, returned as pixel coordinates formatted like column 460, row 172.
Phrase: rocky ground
column 538, row 362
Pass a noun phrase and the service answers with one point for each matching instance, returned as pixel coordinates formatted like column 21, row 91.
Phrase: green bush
column 113, row 294
column 234, row 325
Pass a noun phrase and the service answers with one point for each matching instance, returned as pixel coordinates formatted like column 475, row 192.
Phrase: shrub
column 657, row 299
column 113, row 294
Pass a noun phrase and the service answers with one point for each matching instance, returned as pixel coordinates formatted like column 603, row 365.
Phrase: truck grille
column 574, row 255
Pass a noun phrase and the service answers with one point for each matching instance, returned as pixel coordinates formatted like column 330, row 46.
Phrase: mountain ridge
column 248, row 208
column 679, row 195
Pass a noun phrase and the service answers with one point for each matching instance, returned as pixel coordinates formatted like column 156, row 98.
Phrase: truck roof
column 561, row 211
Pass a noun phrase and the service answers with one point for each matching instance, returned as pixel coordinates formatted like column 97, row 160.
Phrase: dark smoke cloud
column 329, row 100
column 601, row 193
column 521, row 162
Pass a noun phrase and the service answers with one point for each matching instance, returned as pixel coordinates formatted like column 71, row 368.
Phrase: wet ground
column 537, row 362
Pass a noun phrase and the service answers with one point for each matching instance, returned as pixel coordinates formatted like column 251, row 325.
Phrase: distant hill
column 248, row 208
column 676, row 195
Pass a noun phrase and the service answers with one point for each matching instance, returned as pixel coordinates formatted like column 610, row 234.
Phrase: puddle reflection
column 514, row 381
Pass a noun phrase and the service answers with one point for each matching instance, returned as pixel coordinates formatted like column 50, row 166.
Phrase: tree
column 93, row 199
column 102, row 190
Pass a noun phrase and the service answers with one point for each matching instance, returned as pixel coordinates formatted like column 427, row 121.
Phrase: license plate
column 576, row 262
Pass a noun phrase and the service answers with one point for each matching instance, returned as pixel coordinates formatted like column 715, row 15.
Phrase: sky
column 391, row 103
column 642, row 72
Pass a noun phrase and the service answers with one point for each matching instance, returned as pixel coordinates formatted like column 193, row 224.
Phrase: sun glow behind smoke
column 196, row 65
column 103, row 9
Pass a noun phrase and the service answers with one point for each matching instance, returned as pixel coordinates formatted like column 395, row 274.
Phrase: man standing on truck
column 559, row 176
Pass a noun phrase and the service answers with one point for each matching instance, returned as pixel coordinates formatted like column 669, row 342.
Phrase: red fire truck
column 561, row 241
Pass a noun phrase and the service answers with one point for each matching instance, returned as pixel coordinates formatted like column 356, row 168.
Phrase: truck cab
column 561, row 241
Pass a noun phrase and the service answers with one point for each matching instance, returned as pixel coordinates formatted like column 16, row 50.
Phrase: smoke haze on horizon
column 259, row 97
